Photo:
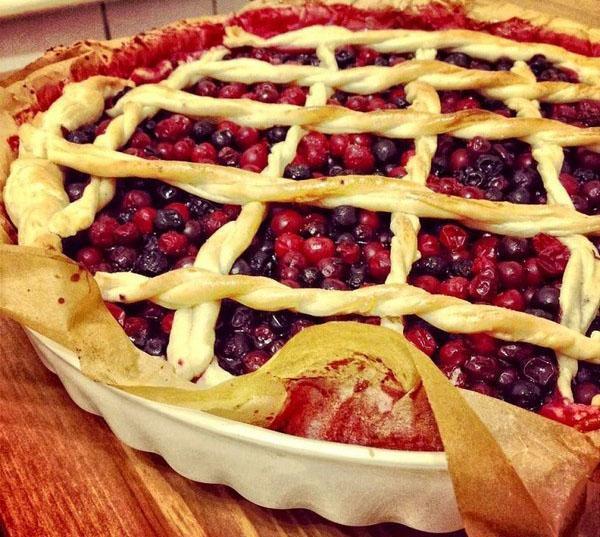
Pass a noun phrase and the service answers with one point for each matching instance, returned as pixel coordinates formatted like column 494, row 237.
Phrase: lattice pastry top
column 442, row 182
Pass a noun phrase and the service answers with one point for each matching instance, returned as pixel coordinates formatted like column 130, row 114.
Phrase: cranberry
column 182, row 149
column 204, row 152
column 175, row 127
column 253, row 360
column 89, row 256
column 456, row 286
column 459, row 159
column 453, row 237
column 421, row 338
column 206, row 88
column 349, row 252
column 234, row 90
column 144, row 219
column 525, row 394
column 429, row 283
column 380, row 265
column 317, row 248
column 172, row 243
column 246, row 137
column 428, row 244
column 126, row 234
column 511, row 274
column 511, row 299
column 287, row 242
column 286, row 220
column 453, row 354
column 102, row 233
column 482, row 288
column 482, row 343
column 255, row 156
column 359, row 158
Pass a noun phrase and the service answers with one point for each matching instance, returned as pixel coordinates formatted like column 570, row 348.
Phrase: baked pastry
column 423, row 165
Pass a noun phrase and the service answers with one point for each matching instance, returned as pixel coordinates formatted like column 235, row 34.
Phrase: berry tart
column 432, row 167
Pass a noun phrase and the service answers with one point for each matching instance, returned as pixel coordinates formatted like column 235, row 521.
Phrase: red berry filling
column 265, row 92
column 149, row 228
column 247, row 338
column 177, row 137
column 320, row 155
column 580, row 176
column 486, row 169
column 276, row 56
column 509, row 272
column 522, row 374
column 392, row 98
column 147, row 324
column 455, row 101
column 342, row 248
column 354, row 56
column 581, row 114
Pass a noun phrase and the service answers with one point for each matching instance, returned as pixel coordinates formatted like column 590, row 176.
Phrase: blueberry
column 242, row 319
column 193, row 230
column 385, row 151
column 310, row 277
column 357, row 276
column 202, row 130
column 520, row 195
column 344, row 215
column 167, row 193
column 525, row 394
column 297, row 172
column 458, row 58
column 155, row 346
column 241, row 267
column 152, row 263
column 167, row 219
column 539, row 370
column 222, row 138
column 489, row 165
column 433, row 266
column 513, row 248
column 540, row 313
column 236, row 345
column 83, row 135
column 198, row 207
column 345, row 56
column 75, row 190
column 280, row 321
column 276, row 134
column 122, row 258
column 462, row 267
column 547, row 298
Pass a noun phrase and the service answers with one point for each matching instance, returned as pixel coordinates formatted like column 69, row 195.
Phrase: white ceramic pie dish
column 352, row 485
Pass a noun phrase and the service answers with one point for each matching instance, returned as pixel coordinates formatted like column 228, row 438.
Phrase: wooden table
column 63, row 473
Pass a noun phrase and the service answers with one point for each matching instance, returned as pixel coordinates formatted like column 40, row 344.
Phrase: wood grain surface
column 63, row 473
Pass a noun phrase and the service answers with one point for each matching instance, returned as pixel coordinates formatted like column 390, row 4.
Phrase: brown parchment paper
column 515, row 474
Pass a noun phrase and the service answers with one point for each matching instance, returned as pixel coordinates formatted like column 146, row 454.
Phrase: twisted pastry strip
column 579, row 299
column 405, row 228
column 34, row 193
column 476, row 44
column 230, row 185
column 372, row 79
column 338, row 120
column 187, row 287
